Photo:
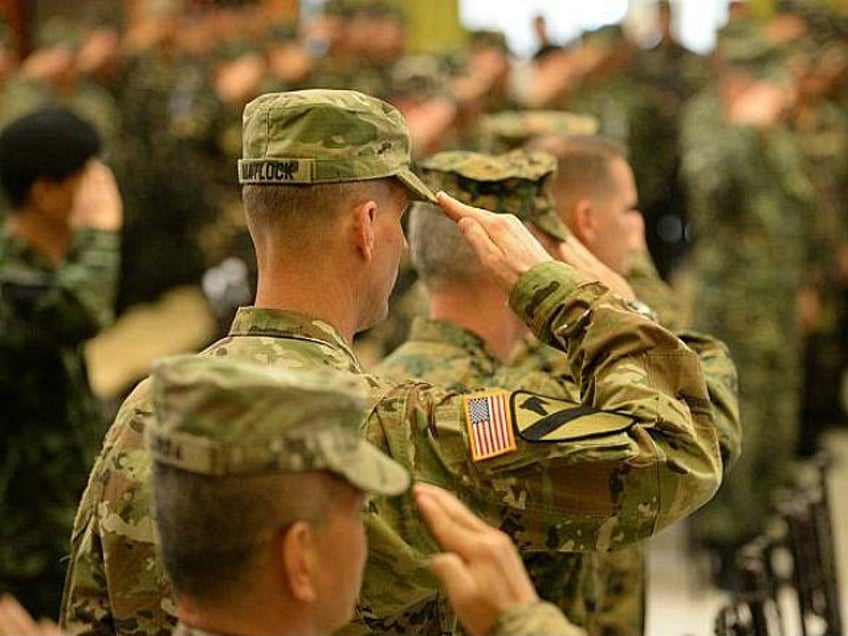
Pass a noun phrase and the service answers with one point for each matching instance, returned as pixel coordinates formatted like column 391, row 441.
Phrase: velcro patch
column 276, row 170
column 539, row 418
column 489, row 424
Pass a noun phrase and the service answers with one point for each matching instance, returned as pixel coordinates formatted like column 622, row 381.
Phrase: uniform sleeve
column 115, row 584
column 723, row 386
column 75, row 301
column 637, row 454
column 538, row 619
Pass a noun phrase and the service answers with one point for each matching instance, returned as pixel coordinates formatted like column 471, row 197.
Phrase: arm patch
column 540, row 418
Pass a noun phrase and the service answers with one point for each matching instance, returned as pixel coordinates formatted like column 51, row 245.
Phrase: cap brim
column 372, row 471
column 418, row 188
column 553, row 225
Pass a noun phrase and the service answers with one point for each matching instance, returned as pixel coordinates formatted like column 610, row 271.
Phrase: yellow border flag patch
column 489, row 424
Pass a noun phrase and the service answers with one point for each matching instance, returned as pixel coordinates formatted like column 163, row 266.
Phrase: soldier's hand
column 98, row 201
column 762, row 105
column 16, row 621
column 573, row 252
column 505, row 247
column 480, row 568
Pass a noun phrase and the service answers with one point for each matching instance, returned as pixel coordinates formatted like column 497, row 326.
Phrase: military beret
column 50, row 143
column 218, row 416
column 325, row 136
column 514, row 183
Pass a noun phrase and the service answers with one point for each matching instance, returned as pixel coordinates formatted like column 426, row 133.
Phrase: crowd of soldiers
column 738, row 163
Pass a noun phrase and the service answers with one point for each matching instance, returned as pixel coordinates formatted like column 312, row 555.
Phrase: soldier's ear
column 364, row 217
column 583, row 221
column 298, row 558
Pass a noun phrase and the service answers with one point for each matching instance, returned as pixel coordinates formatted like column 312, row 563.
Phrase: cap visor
column 553, row 225
column 370, row 470
column 419, row 190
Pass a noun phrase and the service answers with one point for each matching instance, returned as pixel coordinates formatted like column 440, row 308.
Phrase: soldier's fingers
column 457, row 210
column 455, row 578
column 446, row 510
column 479, row 240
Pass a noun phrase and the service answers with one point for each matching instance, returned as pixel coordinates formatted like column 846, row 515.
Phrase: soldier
column 596, row 196
column 58, row 274
column 469, row 336
column 341, row 160
column 470, row 333
column 750, row 203
column 260, row 482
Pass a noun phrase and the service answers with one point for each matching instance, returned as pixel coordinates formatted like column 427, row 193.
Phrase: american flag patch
column 489, row 424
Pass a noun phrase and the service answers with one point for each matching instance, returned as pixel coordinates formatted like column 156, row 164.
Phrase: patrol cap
column 218, row 416
column 514, row 182
column 325, row 136
column 512, row 128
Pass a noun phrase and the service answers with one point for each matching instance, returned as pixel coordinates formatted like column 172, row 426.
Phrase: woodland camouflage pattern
column 658, row 470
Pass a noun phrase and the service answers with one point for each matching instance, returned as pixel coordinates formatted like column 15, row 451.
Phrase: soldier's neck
column 482, row 310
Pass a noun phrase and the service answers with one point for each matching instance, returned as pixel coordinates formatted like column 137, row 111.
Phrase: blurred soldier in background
column 58, row 274
column 751, row 204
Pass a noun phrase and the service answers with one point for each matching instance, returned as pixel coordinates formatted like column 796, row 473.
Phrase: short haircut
column 583, row 164
column 299, row 214
column 438, row 250
column 215, row 531
column 52, row 143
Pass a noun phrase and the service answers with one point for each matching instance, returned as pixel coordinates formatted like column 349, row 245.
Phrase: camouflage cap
column 325, row 136
column 515, row 183
column 218, row 416
column 509, row 129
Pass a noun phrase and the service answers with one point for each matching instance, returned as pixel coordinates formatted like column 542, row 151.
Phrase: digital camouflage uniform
column 52, row 424
column 750, row 202
column 654, row 460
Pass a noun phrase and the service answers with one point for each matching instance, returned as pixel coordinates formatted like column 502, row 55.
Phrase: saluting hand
column 505, row 247
column 480, row 568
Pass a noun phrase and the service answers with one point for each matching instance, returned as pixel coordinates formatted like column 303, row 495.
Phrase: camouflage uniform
column 749, row 203
column 612, row 585
column 52, row 422
column 656, row 455
column 288, row 421
column 601, row 591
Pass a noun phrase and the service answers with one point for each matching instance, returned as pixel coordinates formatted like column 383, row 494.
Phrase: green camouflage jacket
column 652, row 455
column 51, row 422
column 612, row 585
column 447, row 355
